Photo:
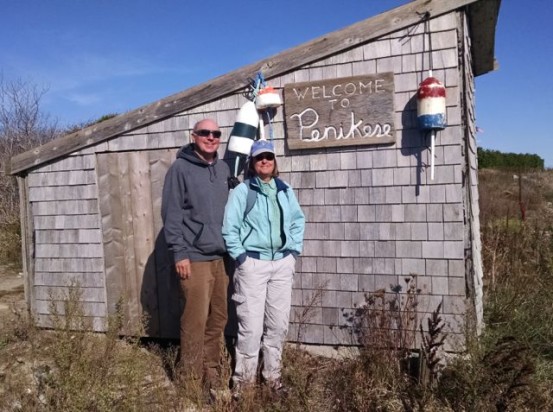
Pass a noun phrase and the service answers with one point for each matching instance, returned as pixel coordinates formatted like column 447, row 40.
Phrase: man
column 194, row 197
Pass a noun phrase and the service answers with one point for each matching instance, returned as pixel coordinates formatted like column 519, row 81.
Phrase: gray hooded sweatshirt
column 193, row 204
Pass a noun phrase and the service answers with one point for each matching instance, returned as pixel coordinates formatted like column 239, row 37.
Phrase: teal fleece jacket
column 193, row 203
column 253, row 233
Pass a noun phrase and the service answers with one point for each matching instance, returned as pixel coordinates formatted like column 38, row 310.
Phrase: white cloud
column 84, row 99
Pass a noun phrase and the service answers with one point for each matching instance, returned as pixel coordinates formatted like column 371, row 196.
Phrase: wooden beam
column 327, row 45
column 27, row 243
column 482, row 21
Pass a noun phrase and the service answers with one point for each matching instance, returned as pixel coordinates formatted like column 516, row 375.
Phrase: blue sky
column 110, row 56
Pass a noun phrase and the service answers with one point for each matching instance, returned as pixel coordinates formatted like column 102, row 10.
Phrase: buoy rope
column 426, row 17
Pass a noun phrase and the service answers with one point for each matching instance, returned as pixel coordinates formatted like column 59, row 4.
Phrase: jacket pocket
column 238, row 298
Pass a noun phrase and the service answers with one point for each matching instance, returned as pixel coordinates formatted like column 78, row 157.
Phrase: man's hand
column 183, row 268
column 232, row 182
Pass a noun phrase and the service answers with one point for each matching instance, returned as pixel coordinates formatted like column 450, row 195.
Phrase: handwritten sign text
column 340, row 112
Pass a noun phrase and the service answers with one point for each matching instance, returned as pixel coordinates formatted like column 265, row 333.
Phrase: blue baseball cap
column 262, row 146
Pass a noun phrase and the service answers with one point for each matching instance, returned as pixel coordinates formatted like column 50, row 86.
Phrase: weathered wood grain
column 84, row 279
column 65, row 207
column 168, row 289
column 27, row 242
column 44, row 307
column 67, row 222
column 69, row 250
column 138, row 267
column 94, row 323
column 160, row 161
column 53, row 236
column 60, row 293
column 70, row 265
column 348, row 111
column 66, row 178
column 54, row 193
column 144, row 270
column 483, row 19
column 72, row 162
column 108, row 187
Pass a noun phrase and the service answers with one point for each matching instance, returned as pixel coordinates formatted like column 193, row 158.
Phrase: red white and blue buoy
column 431, row 110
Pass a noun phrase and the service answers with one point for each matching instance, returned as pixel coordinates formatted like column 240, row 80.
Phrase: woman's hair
column 251, row 169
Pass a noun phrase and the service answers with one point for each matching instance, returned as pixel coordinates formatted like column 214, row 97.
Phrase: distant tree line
column 494, row 159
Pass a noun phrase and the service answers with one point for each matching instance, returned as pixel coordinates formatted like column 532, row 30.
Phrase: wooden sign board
column 340, row 112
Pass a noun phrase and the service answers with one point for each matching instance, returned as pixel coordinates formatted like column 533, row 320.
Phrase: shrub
column 514, row 161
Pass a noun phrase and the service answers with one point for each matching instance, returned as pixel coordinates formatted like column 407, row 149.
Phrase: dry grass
column 10, row 243
column 71, row 369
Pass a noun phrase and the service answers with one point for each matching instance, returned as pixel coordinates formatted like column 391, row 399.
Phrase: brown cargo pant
column 203, row 319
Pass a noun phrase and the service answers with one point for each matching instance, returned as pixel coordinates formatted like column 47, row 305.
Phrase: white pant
column 263, row 296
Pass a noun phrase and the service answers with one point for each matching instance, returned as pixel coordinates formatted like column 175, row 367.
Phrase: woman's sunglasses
column 266, row 156
column 205, row 133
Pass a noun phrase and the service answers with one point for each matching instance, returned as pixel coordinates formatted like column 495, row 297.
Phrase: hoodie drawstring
column 212, row 172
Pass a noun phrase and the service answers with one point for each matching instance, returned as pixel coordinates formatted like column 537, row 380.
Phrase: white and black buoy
column 243, row 132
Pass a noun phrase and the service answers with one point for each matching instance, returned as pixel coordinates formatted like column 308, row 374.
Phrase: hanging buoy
column 267, row 97
column 244, row 130
column 431, row 111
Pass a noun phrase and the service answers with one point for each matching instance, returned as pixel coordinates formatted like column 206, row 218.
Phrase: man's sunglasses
column 205, row 133
column 266, row 156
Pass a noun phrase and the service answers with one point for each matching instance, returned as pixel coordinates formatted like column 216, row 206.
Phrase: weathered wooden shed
column 90, row 201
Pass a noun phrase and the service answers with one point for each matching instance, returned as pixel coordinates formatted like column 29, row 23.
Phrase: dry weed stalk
column 511, row 367
column 308, row 311
column 89, row 371
column 386, row 324
column 432, row 342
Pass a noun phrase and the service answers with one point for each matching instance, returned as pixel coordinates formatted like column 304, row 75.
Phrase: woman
column 265, row 241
